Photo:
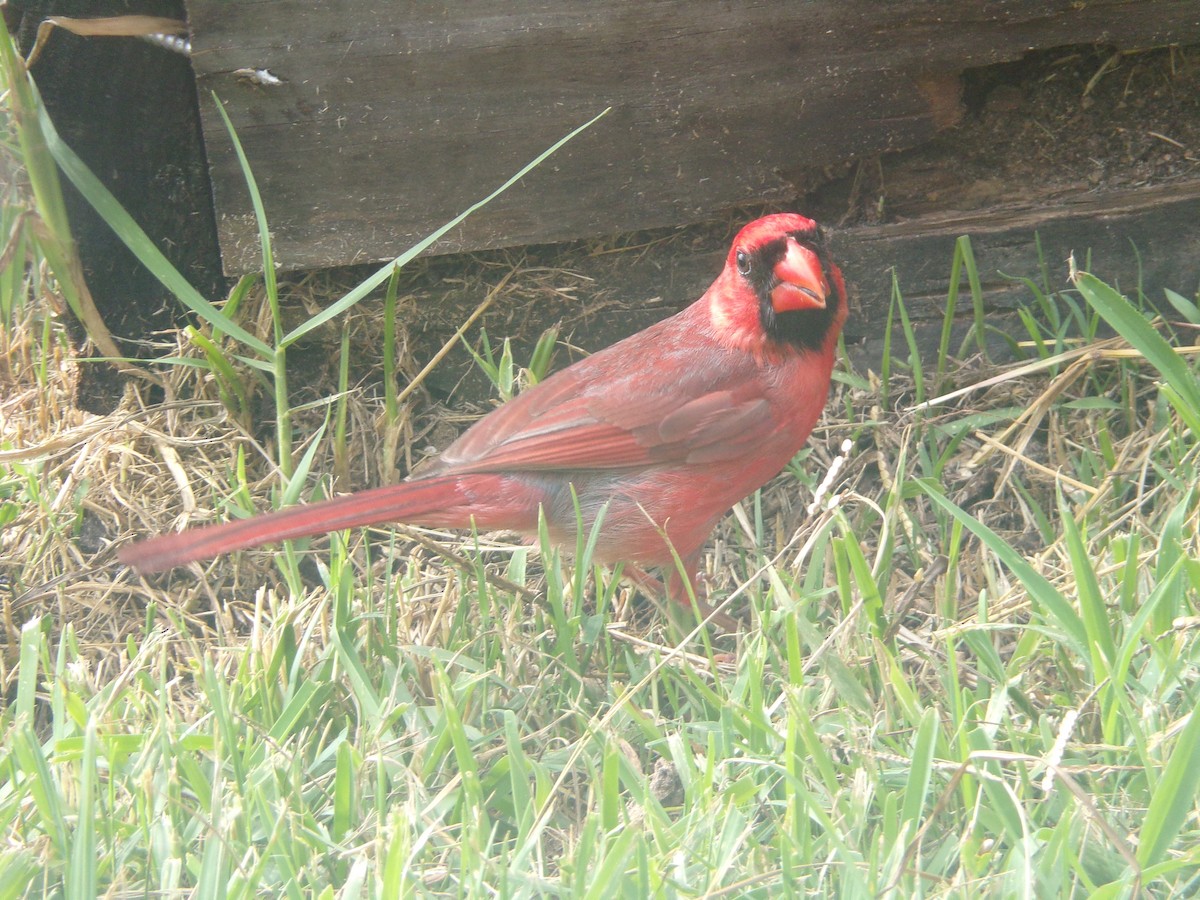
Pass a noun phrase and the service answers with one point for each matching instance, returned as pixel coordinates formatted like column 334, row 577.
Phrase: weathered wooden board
column 128, row 108
column 1147, row 237
column 391, row 119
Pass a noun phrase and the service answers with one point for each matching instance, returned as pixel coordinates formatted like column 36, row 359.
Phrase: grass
column 971, row 671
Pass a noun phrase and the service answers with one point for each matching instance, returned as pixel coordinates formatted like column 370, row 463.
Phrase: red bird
column 667, row 428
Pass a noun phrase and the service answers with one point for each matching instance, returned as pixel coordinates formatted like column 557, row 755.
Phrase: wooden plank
column 128, row 108
column 389, row 120
column 1147, row 236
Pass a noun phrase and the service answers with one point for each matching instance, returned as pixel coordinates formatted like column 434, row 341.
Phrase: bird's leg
column 643, row 580
column 683, row 593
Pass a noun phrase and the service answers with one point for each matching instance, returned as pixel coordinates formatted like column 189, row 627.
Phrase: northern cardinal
column 667, row 428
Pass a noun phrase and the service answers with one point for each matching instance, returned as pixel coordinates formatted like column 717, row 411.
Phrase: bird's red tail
column 448, row 501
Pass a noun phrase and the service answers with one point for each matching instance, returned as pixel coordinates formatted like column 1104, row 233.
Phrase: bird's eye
column 743, row 262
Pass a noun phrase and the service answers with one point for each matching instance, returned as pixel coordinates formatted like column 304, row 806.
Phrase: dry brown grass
column 1014, row 439
column 162, row 464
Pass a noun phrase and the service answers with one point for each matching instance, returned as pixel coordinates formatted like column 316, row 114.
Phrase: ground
column 1065, row 120
column 972, row 674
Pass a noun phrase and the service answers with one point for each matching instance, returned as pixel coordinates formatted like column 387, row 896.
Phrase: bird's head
column 779, row 287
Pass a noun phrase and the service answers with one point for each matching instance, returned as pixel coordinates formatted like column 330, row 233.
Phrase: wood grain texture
column 391, row 119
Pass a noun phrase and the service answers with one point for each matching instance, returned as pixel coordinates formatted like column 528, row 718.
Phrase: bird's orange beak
column 802, row 283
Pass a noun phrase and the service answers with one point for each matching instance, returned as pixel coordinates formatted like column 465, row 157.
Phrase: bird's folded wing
column 559, row 426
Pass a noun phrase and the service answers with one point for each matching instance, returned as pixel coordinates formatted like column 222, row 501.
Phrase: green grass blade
column 868, row 588
column 1094, row 612
column 344, row 792
column 344, row 632
column 394, row 880
column 27, row 674
column 391, row 404
column 1132, row 325
column 341, row 450
column 1187, row 412
column 1174, row 796
column 920, row 774
column 1166, row 587
column 543, row 355
column 40, row 785
column 979, row 324
column 133, row 237
column 297, row 711
column 948, row 317
column 230, row 386
column 1183, row 306
column 291, row 494
column 260, row 212
column 384, row 272
column 885, row 364
column 910, row 337
column 81, row 880
column 1041, row 591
